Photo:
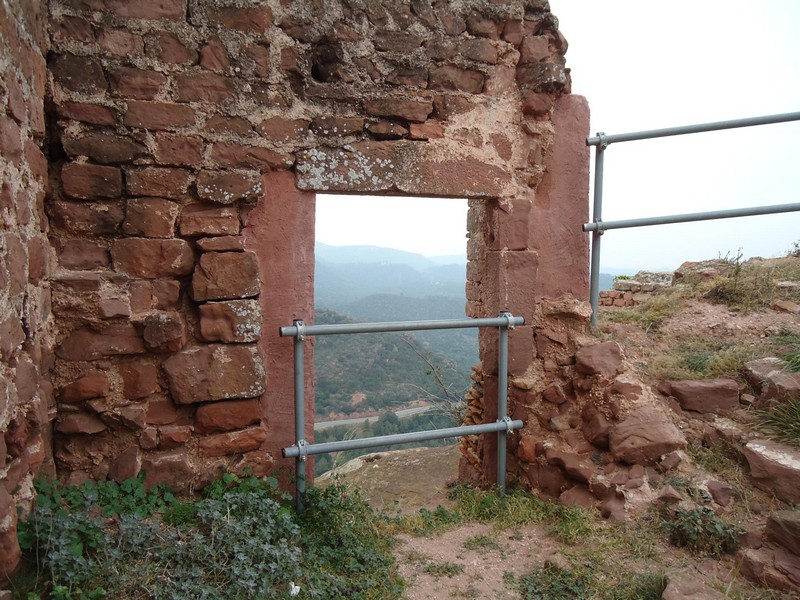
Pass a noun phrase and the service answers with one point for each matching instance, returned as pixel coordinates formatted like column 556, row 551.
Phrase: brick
column 226, row 188
column 164, row 182
column 139, row 379
column 202, row 219
column 214, row 57
column 120, row 42
column 337, row 126
column 72, row 29
column 130, row 82
column 225, row 124
column 410, row 109
column 87, row 218
column 82, row 255
column 226, row 275
column 452, row 78
column 178, row 150
column 152, row 258
column 280, row 129
column 238, row 156
column 227, row 416
column 103, row 147
column 92, row 385
column 87, row 182
column 150, row 217
column 78, row 74
column 215, row 372
column 10, row 140
column 158, row 115
column 237, row 442
column 117, row 339
column 249, row 20
column 230, row 322
column 173, row 51
column 203, row 87
column 88, row 113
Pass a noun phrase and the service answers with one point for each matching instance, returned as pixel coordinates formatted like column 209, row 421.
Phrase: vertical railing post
column 597, row 217
column 299, row 417
column 502, row 401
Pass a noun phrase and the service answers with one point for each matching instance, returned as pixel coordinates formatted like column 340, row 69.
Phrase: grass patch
column 548, row 583
column 482, row 542
column 651, row 314
column 700, row 531
column 781, row 422
column 703, row 358
column 444, row 569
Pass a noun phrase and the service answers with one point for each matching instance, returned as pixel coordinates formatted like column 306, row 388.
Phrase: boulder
column 775, row 468
column 643, row 436
column 783, row 528
column 758, row 565
column 716, row 396
column 771, row 381
column 686, row 585
column 599, row 359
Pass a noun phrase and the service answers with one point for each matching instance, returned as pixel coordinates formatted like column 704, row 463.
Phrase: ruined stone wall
column 188, row 139
column 25, row 262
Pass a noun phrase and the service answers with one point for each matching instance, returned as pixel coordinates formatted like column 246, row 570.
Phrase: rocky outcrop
column 715, row 396
column 771, row 381
column 644, row 436
column 774, row 468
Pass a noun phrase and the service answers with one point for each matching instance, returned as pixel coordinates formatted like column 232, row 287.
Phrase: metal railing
column 301, row 450
column 601, row 141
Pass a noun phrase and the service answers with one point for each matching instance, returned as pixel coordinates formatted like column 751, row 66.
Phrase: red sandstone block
column 180, row 150
column 386, row 130
column 158, row 115
column 215, row 372
column 161, row 412
column 534, row 49
column 230, row 322
column 481, row 26
column 164, row 331
column 16, row 99
column 87, row 218
column 233, row 443
column 480, row 50
column 151, row 217
column 260, row 57
column 80, row 423
column 86, row 181
column 152, row 258
column 452, row 78
column 94, row 384
column 227, row 416
column 174, row 436
column 130, row 82
column 224, row 243
column 336, row 126
column 141, row 9
column 166, row 293
column 226, row 188
column 173, row 51
column 88, row 113
column 10, row 140
column 214, row 57
column 116, row 339
column 203, row 87
column 78, row 74
column 251, row 20
column 83, row 255
column 120, row 42
column 173, row 470
column 281, row 129
column 410, row 109
column 103, row 147
column 202, row 219
column 226, row 275
column 426, row 131
column 71, row 29
column 224, row 124
column 158, row 181
column 239, row 156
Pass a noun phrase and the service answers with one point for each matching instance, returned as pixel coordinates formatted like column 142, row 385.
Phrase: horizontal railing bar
column 688, row 218
column 400, row 438
column 341, row 328
column 602, row 138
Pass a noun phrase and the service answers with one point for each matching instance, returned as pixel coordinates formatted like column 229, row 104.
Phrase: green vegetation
column 386, row 368
column 701, row 358
column 651, row 314
column 549, row 583
column 701, row 531
column 444, row 569
column 781, row 421
column 240, row 540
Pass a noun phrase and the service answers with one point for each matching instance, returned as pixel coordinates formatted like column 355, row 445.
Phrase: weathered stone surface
column 203, row 87
column 786, row 306
column 90, row 218
column 228, row 322
column 224, row 275
column 165, row 182
column 599, row 359
column 80, row 423
column 716, row 396
column 577, row 495
column 126, row 465
column 161, row 412
column 771, row 381
column 227, row 416
column 150, row 217
column 88, row 182
column 721, row 492
column 172, row 469
column 234, row 442
column 410, row 109
column 164, row 331
column 83, row 254
column 215, row 372
column 158, row 115
column 9, row 547
column 92, row 385
column 174, row 436
column 89, row 344
column 224, row 243
column 202, row 219
column 686, row 585
column 643, row 436
column 775, row 468
column 452, row 78
column 576, row 467
column 759, row 565
column 240, row 156
column 226, row 187
column 104, row 148
column 178, row 150
column 152, row 258
column 783, row 528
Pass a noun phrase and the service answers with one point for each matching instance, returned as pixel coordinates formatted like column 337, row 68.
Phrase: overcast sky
column 646, row 65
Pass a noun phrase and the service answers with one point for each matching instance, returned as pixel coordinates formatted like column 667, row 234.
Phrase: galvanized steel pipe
column 389, row 327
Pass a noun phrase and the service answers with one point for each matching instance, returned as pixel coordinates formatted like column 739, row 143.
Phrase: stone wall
column 25, row 263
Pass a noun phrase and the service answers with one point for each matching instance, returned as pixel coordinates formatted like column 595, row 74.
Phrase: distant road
column 406, row 412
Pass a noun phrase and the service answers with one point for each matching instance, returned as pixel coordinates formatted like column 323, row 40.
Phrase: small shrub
column 549, row 583
column 444, row 569
column 482, row 542
column 701, row 531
